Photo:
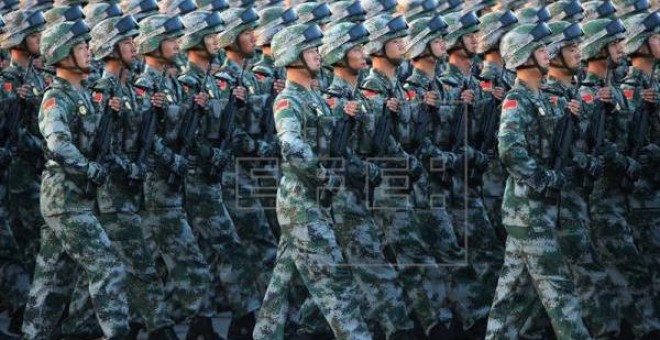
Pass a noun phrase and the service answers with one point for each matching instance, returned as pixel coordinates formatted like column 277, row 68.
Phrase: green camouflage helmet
column 382, row 29
column 139, row 9
column 475, row 5
column 377, row 7
column 8, row 6
column 564, row 33
column 459, row 25
column 20, row 24
column 271, row 21
column 415, row 9
column 422, row 32
column 639, row 28
column 236, row 21
column 347, row 11
column 519, row 44
column 107, row 33
column 59, row 39
column 59, row 3
column 64, row 13
column 565, row 10
column 177, row 7
column 289, row 43
column 241, row 3
column 598, row 9
column 598, row 34
column 268, row 4
column 198, row 25
column 156, row 28
column 95, row 13
column 492, row 28
column 532, row 15
column 313, row 13
column 448, row 6
column 36, row 5
column 339, row 39
column 2, row 25
column 212, row 5
column 626, row 8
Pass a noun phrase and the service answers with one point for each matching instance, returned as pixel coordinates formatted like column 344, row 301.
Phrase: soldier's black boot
column 16, row 322
column 166, row 333
column 241, row 329
column 134, row 330
column 201, row 328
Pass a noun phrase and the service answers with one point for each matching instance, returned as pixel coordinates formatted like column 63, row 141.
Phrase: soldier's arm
column 143, row 92
column 54, row 126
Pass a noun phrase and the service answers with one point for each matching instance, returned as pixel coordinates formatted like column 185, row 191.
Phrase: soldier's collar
column 153, row 72
column 389, row 83
column 233, row 66
column 194, row 69
column 521, row 84
column 295, row 86
column 419, row 78
column 340, row 83
column 267, row 60
column 491, row 66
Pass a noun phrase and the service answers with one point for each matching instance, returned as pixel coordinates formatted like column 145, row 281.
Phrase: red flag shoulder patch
column 629, row 94
column 139, row 92
column 554, row 100
column 588, row 98
column 48, row 104
column 222, row 84
column 369, row 93
column 510, row 104
column 186, row 88
column 331, row 102
column 486, row 84
column 282, row 104
column 98, row 97
column 411, row 94
column 259, row 76
column 7, row 86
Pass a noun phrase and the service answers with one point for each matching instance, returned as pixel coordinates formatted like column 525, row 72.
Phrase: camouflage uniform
column 165, row 225
column 611, row 232
column 533, row 256
column 73, row 236
column 233, row 277
column 249, row 141
column 23, row 176
column 308, row 247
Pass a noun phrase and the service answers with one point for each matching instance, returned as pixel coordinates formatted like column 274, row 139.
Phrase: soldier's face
column 247, row 42
column 356, row 58
column 617, row 51
column 438, row 47
column 395, row 49
column 654, row 44
column 312, row 59
column 542, row 57
column 127, row 50
column 470, row 42
column 572, row 56
column 82, row 57
column 170, row 49
column 32, row 42
column 212, row 44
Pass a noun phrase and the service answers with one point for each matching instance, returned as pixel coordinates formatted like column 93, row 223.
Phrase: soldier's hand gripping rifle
column 188, row 129
column 638, row 128
column 268, row 118
column 596, row 130
column 103, row 137
column 487, row 137
column 226, row 129
column 14, row 113
column 385, row 126
column 459, row 133
column 147, row 131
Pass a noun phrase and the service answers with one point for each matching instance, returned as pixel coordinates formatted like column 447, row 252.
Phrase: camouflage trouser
column 311, row 252
column 251, row 223
column 145, row 289
column 69, row 241
column 645, row 224
column 359, row 239
column 533, row 258
column 484, row 253
column 179, row 262
column 614, row 243
column 24, row 210
column 14, row 275
column 233, row 275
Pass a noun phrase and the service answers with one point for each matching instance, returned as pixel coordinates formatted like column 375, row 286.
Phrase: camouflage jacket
column 265, row 72
column 24, row 170
column 299, row 117
column 645, row 193
column 117, row 195
column 526, row 128
column 68, row 123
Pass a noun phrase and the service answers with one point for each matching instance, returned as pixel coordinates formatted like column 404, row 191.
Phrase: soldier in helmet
column 392, row 201
column 529, row 211
column 36, row 5
column 495, row 81
column 470, row 217
column 603, row 48
column 316, row 13
column 139, row 9
column 236, row 79
column 73, row 237
column 414, row 9
column 165, row 223
column 308, row 246
column 234, row 277
column 376, row 7
column 641, row 91
column 346, row 11
column 22, row 82
column 64, row 13
column 565, row 10
column 177, row 7
column 598, row 9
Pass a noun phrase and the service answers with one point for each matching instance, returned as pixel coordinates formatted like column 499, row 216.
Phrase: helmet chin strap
column 395, row 62
column 344, row 63
column 536, row 65
column 305, row 66
column 467, row 52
